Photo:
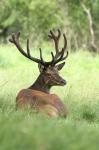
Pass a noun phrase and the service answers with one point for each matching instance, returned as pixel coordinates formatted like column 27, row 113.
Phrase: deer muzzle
column 63, row 82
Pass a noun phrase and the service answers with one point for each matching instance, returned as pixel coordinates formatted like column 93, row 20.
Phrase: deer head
column 49, row 71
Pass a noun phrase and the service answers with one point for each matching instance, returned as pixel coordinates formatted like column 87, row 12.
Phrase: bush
column 29, row 17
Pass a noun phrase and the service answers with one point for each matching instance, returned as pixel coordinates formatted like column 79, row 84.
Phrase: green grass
column 26, row 131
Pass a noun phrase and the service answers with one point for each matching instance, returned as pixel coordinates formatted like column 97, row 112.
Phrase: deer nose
column 63, row 82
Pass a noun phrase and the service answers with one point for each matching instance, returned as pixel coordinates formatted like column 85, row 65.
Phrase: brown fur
column 42, row 102
column 38, row 96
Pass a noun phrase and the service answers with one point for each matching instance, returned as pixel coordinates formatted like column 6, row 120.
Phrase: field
column 22, row 130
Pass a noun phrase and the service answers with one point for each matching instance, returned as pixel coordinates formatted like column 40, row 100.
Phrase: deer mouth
column 63, row 82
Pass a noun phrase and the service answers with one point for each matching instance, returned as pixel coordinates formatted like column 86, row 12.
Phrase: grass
column 26, row 131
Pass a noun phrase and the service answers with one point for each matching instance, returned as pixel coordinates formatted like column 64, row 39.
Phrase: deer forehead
column 51, row 70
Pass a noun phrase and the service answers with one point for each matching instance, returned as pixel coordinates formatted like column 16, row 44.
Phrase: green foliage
column 45, row 16
column 29, row 16
column 79, row 33
column 35, row 18
column 25, row 130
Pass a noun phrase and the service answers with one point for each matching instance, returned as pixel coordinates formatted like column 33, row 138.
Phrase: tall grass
column 22, row 130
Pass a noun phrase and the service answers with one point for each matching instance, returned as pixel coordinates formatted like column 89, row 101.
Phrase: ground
column 22, row 130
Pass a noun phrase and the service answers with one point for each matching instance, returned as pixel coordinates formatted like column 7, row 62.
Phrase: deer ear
column 41, row 67
column 60, row 66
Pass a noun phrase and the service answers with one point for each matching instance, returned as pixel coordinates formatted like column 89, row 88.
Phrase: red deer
column 38, row 96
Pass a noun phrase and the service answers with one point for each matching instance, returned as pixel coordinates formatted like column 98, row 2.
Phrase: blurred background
column 78, row 18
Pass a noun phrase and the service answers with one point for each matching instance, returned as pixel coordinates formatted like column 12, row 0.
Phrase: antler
column 15, row 40
column 59, row 56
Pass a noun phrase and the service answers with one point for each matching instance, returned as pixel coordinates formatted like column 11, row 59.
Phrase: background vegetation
column 23, row 130
column 35, row 18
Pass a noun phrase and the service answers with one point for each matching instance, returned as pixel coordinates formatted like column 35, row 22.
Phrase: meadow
column 22, row 130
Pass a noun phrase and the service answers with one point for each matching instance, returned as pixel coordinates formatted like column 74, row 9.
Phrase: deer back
column 41, row 102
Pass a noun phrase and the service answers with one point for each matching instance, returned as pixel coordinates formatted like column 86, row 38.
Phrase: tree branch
column 90, row 22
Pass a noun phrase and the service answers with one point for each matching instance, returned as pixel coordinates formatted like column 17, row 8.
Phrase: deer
column 38, row 96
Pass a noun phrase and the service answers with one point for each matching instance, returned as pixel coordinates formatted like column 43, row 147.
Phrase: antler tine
column 65, row 42
column 15, row 40
column 41, row 57
column 28, row 49
column 53, row 58
column 56, row 39
column 14, row 37
column 60, row 55
column 53, row 36
column 59, row 33
column 46, row 63
column 18, row 35
column 66, row 55
column 61, row 58
column 62, row 52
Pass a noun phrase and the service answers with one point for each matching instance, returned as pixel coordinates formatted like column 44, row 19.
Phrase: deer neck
column 40, row 85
